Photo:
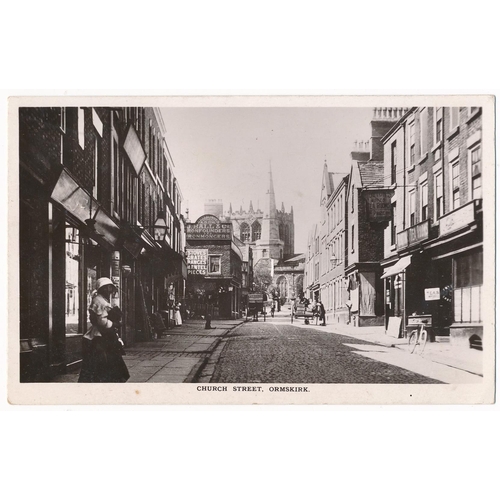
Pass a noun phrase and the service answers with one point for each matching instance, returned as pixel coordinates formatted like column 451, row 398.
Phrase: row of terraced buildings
column 401, row 232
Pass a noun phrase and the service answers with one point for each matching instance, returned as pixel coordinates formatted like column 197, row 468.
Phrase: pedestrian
column 177, row 315
column 273, row 307
column 322, row 313
column 102, row 347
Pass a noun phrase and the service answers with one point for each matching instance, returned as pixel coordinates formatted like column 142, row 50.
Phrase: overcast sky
column 224, row 153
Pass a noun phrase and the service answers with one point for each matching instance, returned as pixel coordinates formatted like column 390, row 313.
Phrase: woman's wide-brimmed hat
column 103, row 282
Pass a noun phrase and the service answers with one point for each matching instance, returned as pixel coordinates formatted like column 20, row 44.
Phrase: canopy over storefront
column 397, row 268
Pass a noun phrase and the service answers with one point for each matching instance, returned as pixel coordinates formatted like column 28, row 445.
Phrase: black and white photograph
column 238, row 250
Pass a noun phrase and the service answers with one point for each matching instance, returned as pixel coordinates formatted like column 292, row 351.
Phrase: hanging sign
column 133, row 147
column 378, row 205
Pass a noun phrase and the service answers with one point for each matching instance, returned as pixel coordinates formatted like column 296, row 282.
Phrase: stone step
column 442, row 339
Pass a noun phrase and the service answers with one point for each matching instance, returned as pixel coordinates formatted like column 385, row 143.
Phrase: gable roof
column 371, row 173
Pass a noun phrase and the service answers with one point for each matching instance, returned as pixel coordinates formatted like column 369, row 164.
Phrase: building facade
column 93, row 182
column 215, row 264
column 333, row 235
column 433, row 247
column 368, row 214
column 346, row 246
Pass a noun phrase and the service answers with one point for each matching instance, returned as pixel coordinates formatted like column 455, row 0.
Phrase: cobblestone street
column 277, row 352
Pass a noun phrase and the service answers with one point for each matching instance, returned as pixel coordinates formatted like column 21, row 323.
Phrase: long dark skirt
column 102, row 360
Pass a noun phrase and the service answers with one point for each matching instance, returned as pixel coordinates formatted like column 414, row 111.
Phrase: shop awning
column 397, row 268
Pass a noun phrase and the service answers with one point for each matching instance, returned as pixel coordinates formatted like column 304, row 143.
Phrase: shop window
column 214, row 264
column 468, row 280
column 72, row 270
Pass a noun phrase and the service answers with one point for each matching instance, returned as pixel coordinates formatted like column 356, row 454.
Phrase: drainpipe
column 403, row 285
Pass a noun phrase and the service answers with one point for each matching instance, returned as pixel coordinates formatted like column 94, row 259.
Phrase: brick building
column 346, row 246
column 368, row 213
column 92, row 183
column 433, row 248
column 215, row 264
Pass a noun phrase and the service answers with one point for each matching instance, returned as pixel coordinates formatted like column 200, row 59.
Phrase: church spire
column 230, row 208
column 270, row 207
column 250, row 210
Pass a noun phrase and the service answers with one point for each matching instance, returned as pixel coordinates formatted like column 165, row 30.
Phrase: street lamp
column 159, row 227
column 335, row 261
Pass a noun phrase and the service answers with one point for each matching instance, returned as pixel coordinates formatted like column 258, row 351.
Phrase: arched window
column 245, row 232
column 256, row 231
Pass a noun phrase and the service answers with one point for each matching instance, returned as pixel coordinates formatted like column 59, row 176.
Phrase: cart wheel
column 412, row 340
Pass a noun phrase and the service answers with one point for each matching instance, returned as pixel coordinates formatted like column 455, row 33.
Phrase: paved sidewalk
column 178, row 356
column 469, row 360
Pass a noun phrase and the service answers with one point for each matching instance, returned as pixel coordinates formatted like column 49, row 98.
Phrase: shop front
column 443, row 277
column 364, row 295
column 214, row 269
column 66, row 243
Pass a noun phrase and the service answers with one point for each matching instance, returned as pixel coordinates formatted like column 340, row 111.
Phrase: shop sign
column 378, row 204
column 457, row 219
column 135, row 152
column 197, row 260
column 208, row 227
column 432, row 294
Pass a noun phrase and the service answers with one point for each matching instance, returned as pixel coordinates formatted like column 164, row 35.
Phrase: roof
column 372, row 173
column 297, row 257
column 335, row 180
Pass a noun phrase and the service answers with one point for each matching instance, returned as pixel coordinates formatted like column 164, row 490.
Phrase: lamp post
column 160, row 227
column 334, row 260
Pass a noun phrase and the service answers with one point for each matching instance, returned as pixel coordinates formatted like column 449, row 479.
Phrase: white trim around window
column 437, row 129
column 215, row 262
column 438, row 190
column 474, row 154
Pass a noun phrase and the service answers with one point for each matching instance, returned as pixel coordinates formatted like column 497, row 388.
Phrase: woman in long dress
column 177, row 315
column 102, row 347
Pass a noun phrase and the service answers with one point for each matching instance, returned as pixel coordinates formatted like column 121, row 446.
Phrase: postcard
column 251, row 250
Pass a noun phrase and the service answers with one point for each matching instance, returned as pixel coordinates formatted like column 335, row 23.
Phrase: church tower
column 269, row 245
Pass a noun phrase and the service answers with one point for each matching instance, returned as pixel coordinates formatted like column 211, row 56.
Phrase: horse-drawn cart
column 256, row 306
